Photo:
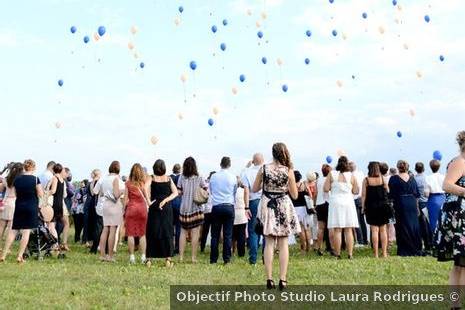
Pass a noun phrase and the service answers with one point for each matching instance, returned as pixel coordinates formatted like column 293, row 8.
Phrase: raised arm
column 364, row 193
column 174, row 194
column 455, row 171
column 327, row 185
column 257, row 185
column 293, row 192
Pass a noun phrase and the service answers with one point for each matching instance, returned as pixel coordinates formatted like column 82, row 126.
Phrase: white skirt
column 342, row 212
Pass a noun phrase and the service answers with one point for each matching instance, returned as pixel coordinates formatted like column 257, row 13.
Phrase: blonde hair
column 29, row 165
column 461, row 140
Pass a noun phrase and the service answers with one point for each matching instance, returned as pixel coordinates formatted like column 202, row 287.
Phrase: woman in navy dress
column 404, row 192
column 28, row 190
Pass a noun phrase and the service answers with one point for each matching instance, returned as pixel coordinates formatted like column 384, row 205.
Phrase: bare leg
column 374, row 239
column 268, row 255
column 336, row 241
column 131, row 245
column 321, row 234
column 303, row 239
column 142, row 245
column 103, row 240
column 53, row 230
column 349, row 236
column 23, row 243
column 384, row 239
column 283, row 246
column 65, row 230
column 182, row 243
column 111, row 241
column 195, row 235
column 3, row 228
column 308, row 239
column 9, row 241
column 455, row 277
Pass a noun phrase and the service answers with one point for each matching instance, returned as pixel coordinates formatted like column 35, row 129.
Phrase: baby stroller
column 41, row 241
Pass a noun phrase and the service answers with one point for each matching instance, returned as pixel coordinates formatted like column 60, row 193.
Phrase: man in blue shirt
column 223, row 186
column 252, row 201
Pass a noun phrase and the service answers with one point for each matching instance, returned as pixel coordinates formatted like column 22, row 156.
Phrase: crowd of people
column 266, row 206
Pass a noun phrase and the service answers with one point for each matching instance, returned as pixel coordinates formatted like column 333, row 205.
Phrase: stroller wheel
column 61, row 256
column 25, row 256
column 47, row 255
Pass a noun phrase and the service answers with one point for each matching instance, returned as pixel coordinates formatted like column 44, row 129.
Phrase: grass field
column 81, row 281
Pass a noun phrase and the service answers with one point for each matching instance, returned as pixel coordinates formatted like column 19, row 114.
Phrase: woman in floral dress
column 276, row 211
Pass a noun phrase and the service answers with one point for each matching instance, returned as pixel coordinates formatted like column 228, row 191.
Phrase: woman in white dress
column 111, row 190
column 9, row 198
column 342, row 214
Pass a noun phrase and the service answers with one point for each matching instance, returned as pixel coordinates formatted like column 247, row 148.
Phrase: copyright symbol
column 454, row 296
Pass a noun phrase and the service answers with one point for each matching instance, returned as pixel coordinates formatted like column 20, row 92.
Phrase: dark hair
column 86, row 182
column 51, row 164
column 281, row 154
column 189, row 167
column 159, row 167
column 15, row 171
column 297, row 175
column 114, row 167
column 373, row 169
column 419, row 167
column 58, row 168
column 461, row 140
column 225, row 162
column 326, row 169
column 435, row 165
column 402, row 166
column 176, row 168
column 383, row 168
column 342, row 164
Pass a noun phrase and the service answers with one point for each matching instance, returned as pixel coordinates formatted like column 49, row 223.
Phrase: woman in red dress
column 135, row 215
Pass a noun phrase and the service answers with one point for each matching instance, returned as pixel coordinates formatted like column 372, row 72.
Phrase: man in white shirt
column 252, row 201
column 436, row 197
column 47, row 175
column 223, row 186
column 361, row 231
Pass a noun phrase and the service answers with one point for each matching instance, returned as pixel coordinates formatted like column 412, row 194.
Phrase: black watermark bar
column 316, row 297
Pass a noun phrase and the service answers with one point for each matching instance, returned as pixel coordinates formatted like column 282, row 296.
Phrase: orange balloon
column 96, row 37
column 58, row 125
column 257, row 23
column 419, row 74
column 216, row 110
column 130, row 45
column 339, row 83
column 264, row 15
column 180, row 116
column 249, row 12
column 134, row 29
column 154, row 140
column 183, row 78
column 279, row 61
column 381, row 29
column 234, row 90
column 412, row 112
column 177, row 21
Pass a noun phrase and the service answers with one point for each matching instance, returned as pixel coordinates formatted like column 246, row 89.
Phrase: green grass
column 81, row 281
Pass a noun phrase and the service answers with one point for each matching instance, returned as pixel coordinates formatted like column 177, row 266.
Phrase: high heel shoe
column 282, row 285
column 270, row 284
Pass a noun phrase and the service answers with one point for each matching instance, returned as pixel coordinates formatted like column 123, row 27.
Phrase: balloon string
column 184, row 91
column 195, row 89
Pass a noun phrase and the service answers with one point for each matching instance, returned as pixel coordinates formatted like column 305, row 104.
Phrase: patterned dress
column 276, row 212
column 449, row 237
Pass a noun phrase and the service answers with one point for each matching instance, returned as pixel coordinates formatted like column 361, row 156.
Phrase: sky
column 377, row 76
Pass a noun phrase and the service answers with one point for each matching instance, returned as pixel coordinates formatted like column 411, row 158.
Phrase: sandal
column 282, row 285
column 64, row 247
column 169, row 263
column 148, row 263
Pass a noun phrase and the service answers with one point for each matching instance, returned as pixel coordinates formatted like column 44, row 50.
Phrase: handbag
column 46, row 203
column 200, row 195
column 258, row 225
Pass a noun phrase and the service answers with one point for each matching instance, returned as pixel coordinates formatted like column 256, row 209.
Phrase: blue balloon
column 193, row 65
column 364, row 15
column 181, row 9
column 86, row 39
column 285, row 88
column 101, row 30
column 60, row 83
column 437, row 155
column 242, row 78
column 308, row 33
column 427, row 19
column 441, row 58
column 73, row 29
column 264, row 60
column 142, row 65
column 334, row 32
column 211, row 122
column 394, row 2
column 329, row 159
column 399, row 134
column 223, row 46
column 214, row 29
column 260, row 34
column 331, row 1
column 307, row 61
column 225, row 22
